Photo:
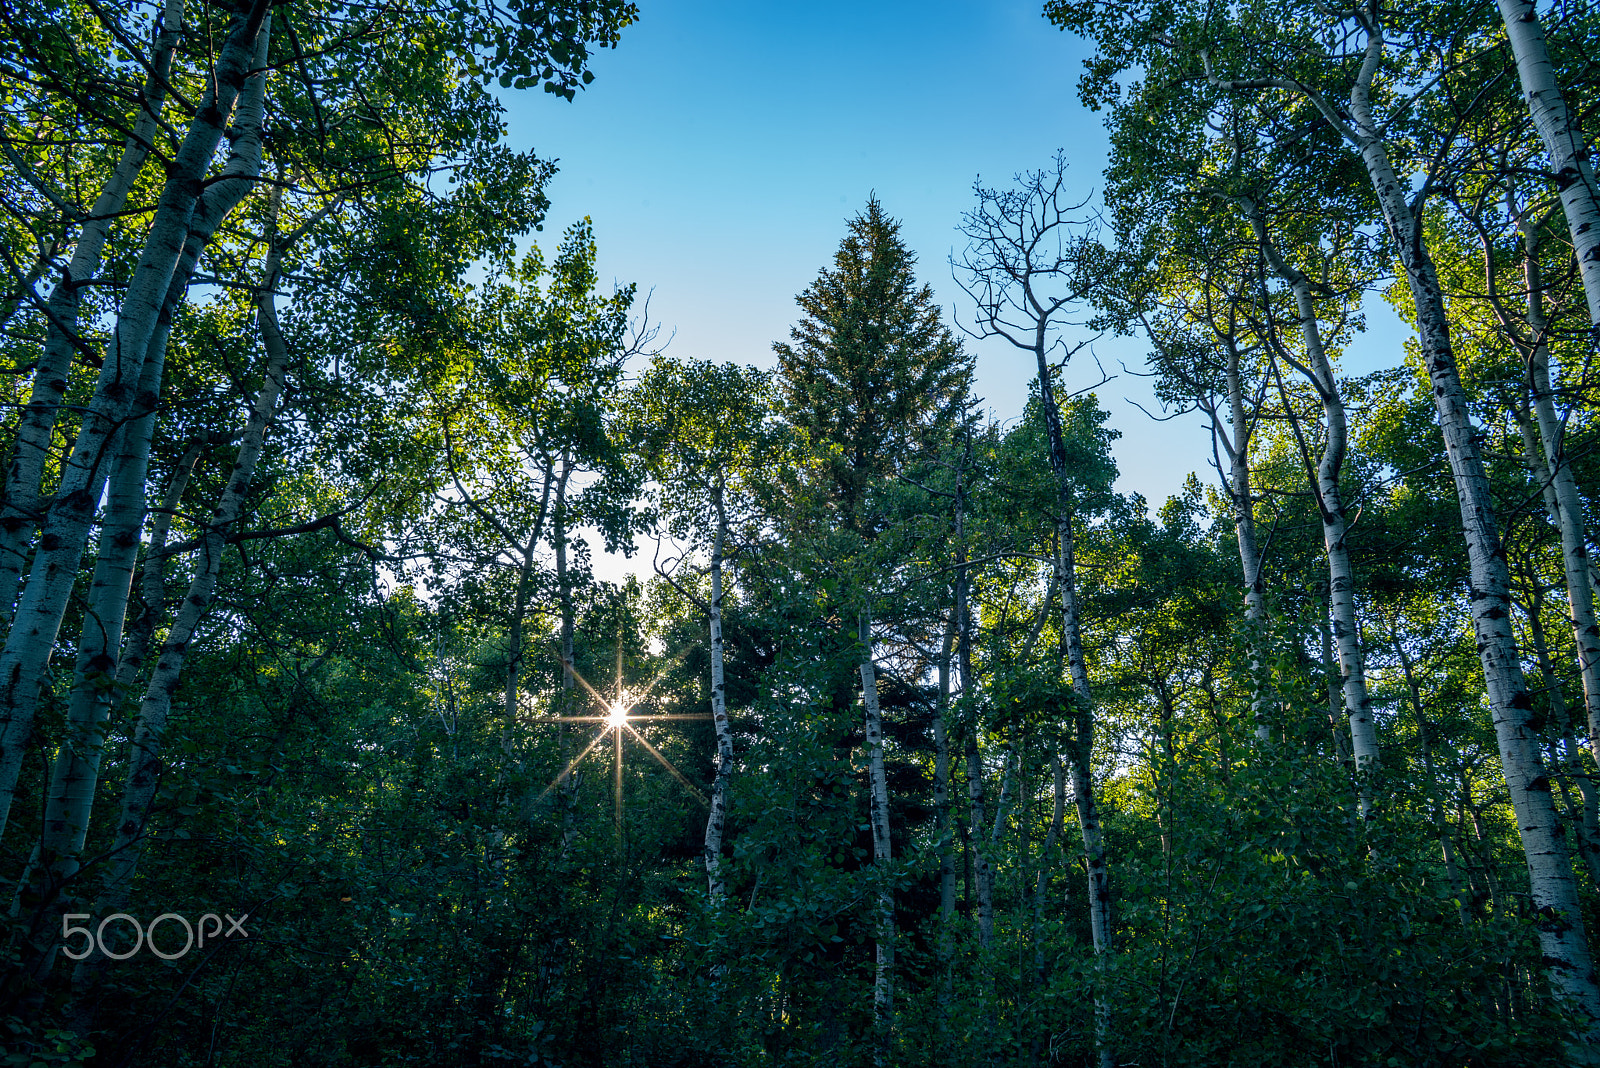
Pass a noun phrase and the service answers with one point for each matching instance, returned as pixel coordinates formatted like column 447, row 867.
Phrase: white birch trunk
column 942, row 816
column 1237, row 445
column 569, row 826
column 1330, row 506
column 1563, row 142
column 883, row 984
column 717, row 820
column 1562, row 938
column 241, row 63
column 144, row 763
column 22, row 508
column 69, row 795
column 1082, row 747
column 1552, row 469
column 1581, row 820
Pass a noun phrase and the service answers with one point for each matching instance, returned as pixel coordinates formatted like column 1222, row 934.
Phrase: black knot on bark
column 1540, row 785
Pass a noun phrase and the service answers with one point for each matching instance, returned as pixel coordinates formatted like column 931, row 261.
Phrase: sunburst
column 618, row 720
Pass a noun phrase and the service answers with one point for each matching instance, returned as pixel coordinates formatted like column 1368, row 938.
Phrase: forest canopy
column 913, row 740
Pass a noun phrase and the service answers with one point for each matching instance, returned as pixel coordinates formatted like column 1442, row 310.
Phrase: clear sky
column 722, row 147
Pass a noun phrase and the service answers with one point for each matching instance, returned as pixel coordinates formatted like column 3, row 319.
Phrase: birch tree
column 227, row 83
column 1031, row 265
column 1286, row 75
column 701, row 433
column 1564, row 142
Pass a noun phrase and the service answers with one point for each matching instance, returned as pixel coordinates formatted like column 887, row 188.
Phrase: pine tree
column 874, row 380
column 873, row 371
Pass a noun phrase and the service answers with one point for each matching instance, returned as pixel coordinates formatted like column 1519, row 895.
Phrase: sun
column 619, row 720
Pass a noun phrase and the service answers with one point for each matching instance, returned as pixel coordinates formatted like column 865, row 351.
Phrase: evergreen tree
column 873, row 375
column 873, row 382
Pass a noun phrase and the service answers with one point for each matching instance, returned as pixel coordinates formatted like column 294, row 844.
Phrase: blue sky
column 723, row 145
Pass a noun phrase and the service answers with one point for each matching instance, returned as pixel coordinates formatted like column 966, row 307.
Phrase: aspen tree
column 1564, row 142
column 1317, row 369
column 22, row 506
column 1029, row 266
column 1228, row 59
column 701, row 434
column 240, row 79
column 155, row 710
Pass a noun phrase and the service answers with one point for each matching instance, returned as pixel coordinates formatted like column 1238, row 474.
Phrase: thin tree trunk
column 144, row 763
column 22, row 507
column 942, row 816
column 1562, row 938
column 1058, row 768
column 981, row 879
column 1563, row 142
column 716, row 821
column 241, row 64
column 1553, row 471
column 69, row 796
column 884, row 935
column 1330, row 507
column 1237, row 445
column 1583, row 820
column 569, row 784
column 1082, row 747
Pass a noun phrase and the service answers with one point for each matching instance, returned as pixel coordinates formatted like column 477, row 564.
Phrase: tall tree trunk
column 1563, row 142
column 884, row 934
column 1330, row 507
column 1552, row 469
column 22, row 507
column 981, row 886
column 241, row 65
column 943, row 822
column 1236, row 443
column 1560, row 925
column 1082, row 746
column 144, row 763
column 69, row 796
column 1583, row 818
column 716, row 821
column 568, row 791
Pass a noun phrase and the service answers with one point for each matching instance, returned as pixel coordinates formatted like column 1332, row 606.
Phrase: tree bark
column 1563, row 142
column 144, row 762
column 241, row 64
column 883, row 984
column 1554, row 890
column 943, row 822
column 1547, row 461
column 1330, row 507
column 1082, row 747
column 569, row 827
column 1237, row 445
column 717, row 820
column 22, row 507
